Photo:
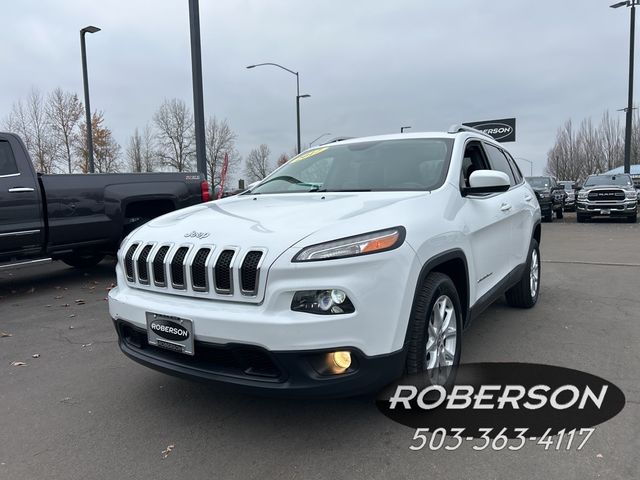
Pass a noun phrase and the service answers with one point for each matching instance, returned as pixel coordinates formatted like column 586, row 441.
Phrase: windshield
column 384, row 165
column 622, row 180
column 538, row 182
column 568, row 186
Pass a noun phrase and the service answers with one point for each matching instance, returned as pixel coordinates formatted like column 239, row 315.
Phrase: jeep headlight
column 373, row 242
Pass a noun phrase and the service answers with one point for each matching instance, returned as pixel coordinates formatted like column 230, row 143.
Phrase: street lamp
column 298, row 96
column 402, row 129
column 629, row 110
column 85, row 79
column 323, row 135
column 529, row 162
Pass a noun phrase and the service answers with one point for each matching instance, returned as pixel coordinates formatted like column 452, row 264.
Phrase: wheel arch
column 452, row 263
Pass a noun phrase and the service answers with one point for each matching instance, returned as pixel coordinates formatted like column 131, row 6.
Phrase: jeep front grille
column 217, row 272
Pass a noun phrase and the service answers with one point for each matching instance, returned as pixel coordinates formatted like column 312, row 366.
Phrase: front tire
column 83, row 260
column 525, row 293
column 632, row 218
column 435, row 329
column 548, row 217
column 582, row 218
column 559, row 213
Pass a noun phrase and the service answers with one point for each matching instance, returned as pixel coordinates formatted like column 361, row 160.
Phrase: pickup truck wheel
column 582, row 218
column 525, row 293
column 435, row 330
column 83, row 260
column 548, row 217
column 559, row 213
column 632, row 218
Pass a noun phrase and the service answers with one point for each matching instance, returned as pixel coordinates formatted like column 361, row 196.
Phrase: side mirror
column 486, row 181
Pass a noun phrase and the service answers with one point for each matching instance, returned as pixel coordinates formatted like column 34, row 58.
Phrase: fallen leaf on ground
column 79, row 301
column 18, row 364
column 167, row 451
column 65, row 305
column 71, row 316
column 35, row 355
column 5, row 334
column 84, row 345
column 58, row 297
column 599, row 455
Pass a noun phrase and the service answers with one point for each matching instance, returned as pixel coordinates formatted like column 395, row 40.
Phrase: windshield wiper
column 343, row 190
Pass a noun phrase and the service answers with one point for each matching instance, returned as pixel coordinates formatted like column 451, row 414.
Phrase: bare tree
column 220, row 140
column 174, row 123
column 282, row 159
column 148, row 149
column 29, row 120
column 64, row 111
column 258, row 165
column 106, row 151
column 611, row 137
column 134, row 152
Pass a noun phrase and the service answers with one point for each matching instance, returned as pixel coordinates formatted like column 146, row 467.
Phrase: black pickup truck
column 79, row 218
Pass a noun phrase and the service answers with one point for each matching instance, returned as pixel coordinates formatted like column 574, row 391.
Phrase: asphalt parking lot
column 82, row 410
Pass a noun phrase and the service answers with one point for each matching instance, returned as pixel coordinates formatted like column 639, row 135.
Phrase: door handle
column 20, row 189
column 528, row 198
column 505, row 207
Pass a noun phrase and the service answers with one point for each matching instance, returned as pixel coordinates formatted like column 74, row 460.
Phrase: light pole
column 87, row 106
column 402, row 129
column 314, row 141
column 529, row 162
column 196, row 78
column 629, row 109
column 298, row 96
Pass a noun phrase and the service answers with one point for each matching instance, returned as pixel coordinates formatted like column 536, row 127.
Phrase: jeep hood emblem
column 195, row 234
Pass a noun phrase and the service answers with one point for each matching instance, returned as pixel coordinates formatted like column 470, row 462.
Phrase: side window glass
column 7, row 161
column 473, row 160
column 499, row 162
column 517, row 174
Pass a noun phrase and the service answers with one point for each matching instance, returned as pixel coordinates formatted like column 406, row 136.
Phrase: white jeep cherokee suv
column 353, row 263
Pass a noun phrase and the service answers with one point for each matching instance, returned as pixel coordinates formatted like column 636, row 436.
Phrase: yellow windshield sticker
column 308, row 154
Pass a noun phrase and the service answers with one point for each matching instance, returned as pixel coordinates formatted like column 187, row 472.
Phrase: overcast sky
column 370, row 66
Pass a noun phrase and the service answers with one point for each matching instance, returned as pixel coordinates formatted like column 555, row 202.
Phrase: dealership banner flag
column 503, row 130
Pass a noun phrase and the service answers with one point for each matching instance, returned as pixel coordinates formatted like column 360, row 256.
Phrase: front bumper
column 381, row 288
column 290, row 373
column 621, row 208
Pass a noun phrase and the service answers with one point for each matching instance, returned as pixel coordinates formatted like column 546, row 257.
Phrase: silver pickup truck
column 607, row 196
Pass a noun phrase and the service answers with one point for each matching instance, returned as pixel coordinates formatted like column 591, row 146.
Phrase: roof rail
column 337, row 139
column 457, row 128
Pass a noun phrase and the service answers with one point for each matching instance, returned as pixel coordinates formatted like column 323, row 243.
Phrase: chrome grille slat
column 177, row 267
column 141, row 263
column 159, row 272
column 249, row 272
column 199, row 272
column 128, row 262
column 223, row 272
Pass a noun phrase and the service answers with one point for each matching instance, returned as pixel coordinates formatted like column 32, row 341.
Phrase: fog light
column 325, row 302
column 338, row 296
column 342, row 359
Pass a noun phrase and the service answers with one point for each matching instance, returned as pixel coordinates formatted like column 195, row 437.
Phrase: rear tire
column 83, row 260
column 435, row 330
column 559, row 213
column 525, row 293
column 548, row 217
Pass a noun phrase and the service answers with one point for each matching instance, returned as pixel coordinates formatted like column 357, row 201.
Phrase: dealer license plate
column 605, row 211
column 171, row 333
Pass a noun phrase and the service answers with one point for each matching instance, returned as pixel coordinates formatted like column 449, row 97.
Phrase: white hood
column 275, row 221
